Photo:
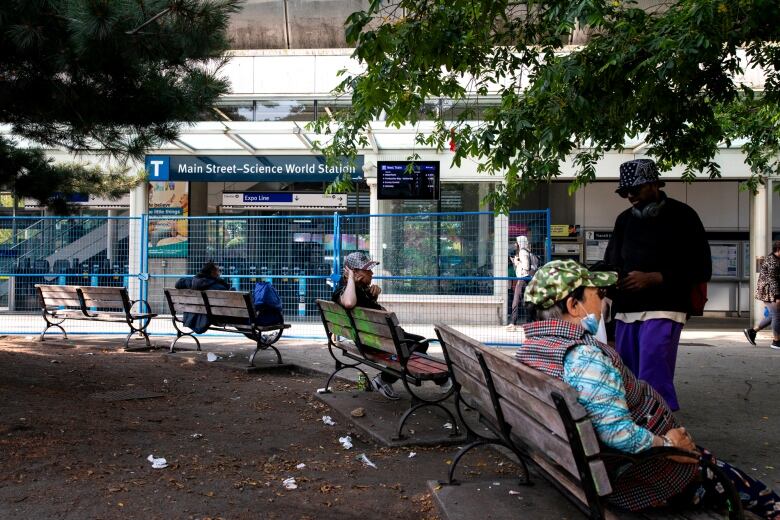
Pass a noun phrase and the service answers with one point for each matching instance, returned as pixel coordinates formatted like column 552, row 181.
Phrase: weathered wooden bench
column 540, row 420
column 72, row 302
column 374, row 338
column 227, row 311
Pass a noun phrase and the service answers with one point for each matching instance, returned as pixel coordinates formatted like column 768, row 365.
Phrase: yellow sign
column 559, row 230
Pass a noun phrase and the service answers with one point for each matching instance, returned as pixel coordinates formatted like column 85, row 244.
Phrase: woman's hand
column 680, row 438
column 374, row 291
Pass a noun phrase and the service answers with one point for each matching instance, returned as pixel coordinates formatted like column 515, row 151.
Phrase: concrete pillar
column 110, row 234
column 139, row 205
column 375, row 235
column 501, row 263
column 760, row 240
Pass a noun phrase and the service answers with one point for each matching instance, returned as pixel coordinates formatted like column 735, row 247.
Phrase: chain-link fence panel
column 453, row 268
column 92, row 251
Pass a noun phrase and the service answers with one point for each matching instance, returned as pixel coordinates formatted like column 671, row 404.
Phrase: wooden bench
column 227, row 311
column 374, row 338
column 72, row 302
column 539, row 419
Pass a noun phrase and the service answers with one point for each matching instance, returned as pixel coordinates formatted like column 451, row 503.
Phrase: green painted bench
column 373, row 338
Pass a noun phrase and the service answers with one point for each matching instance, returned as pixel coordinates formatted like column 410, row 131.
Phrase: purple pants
column 649, row 350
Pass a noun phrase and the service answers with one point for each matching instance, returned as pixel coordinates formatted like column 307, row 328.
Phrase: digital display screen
column 395, row 180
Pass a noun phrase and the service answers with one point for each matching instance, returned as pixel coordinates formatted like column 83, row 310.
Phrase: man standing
column 661, row 253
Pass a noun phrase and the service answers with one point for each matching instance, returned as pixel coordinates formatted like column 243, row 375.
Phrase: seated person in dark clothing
column 206, row 280
column 355, row 290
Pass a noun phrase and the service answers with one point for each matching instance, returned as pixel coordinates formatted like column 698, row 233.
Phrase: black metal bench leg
column 476, row 444
column 399, row 433
column 339, row 369
column 50, row 325
column 181, row 335
column 127, row 339
column 264, row 347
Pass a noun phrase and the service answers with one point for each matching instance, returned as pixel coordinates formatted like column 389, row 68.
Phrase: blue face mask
column 590, row 323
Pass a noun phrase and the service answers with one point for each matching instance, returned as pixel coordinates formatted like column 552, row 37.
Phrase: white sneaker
column 511, row 328
column 383, row 388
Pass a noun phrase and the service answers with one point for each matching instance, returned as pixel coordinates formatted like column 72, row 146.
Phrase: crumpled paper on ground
column 157, row 463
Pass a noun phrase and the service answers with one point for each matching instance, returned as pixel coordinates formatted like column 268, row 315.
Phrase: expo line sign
column 257, row 168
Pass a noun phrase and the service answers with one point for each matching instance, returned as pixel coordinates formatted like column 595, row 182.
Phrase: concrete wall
column 292, row 24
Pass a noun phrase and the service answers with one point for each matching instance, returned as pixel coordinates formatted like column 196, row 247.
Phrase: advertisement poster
column 724, row 260
column 168, row 236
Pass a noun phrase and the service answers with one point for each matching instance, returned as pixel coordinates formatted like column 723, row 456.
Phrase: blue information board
column 255, row 168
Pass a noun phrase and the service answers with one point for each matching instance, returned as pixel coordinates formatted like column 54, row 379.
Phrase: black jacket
column 672, row 243
column 203, row 283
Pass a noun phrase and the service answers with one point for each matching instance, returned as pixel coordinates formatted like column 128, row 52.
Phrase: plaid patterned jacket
column 640, row 486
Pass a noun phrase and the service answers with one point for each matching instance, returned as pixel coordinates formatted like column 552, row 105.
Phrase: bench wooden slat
column 104, row 291
column 61, row 302
column 378, row 342
column 58, row 290
column 341, row 330
column 187, row 300
column 533, row 381
column 373, row 315
column 227, row 299
column 95, row 302
column 348, row 346
column 340, row 319
column 373, row 328
column 232, row 312
column 422, row 365
column 189, row 307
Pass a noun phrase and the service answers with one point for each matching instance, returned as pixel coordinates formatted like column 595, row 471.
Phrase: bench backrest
column 56, row 296
column 229, row 307
column 108, row 298
column 336, row 320
column 380, row 330
column 185, row 300
column 533, row 405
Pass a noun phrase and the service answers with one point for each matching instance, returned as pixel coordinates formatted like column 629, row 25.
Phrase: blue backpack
column 267, row 303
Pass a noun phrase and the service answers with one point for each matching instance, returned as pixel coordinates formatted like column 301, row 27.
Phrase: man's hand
column 637, row 280
column 374, row 291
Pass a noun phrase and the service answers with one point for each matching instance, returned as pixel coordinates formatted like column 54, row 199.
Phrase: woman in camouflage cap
column 564, row 299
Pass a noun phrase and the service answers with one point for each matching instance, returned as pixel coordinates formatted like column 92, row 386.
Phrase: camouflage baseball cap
column 554, row 281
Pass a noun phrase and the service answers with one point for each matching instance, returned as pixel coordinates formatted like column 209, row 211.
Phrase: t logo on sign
column 158, row 167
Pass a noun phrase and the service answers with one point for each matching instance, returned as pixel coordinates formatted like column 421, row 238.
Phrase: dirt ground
column 230, row 439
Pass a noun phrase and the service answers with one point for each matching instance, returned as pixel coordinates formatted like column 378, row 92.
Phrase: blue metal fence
column 449, row 267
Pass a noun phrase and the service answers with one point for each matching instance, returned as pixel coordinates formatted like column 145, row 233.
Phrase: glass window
column 463, row 244
column 284, row 110
column 234, row 111
column 330, row 107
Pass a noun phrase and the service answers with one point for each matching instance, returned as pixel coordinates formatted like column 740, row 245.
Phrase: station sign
column 254, row 168
column 284, row 200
